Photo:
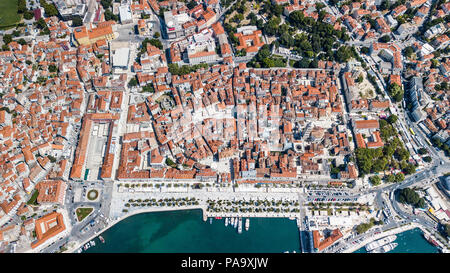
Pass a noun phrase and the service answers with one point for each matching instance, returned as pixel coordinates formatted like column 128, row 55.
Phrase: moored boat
column 226, row 221
column 430, row 240
column 380, row 242
column 247, row 224
column 385, row 248
column 240, row 225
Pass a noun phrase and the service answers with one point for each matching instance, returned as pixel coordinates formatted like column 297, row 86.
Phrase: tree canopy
column 411, row 197
column 396, row 92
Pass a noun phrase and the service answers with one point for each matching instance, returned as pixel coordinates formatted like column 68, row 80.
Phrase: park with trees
column 396, row 92
column 411, row 197
column 393, row 156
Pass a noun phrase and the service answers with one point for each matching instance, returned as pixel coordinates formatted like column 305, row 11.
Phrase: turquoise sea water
column 410, row 241
column 185, row 231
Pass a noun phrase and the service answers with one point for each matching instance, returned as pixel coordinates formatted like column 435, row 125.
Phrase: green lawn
column 33, row 198
column 8, row 13
column 82, row 213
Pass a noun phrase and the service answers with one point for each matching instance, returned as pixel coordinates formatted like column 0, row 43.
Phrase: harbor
column 166, row 232
column 221, row 234
column 408, row 241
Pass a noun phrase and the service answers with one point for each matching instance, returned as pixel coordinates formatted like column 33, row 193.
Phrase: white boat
column 247, row 224
column 226, row 221
column 210, row 220
column 234, row 222
column 385, row 248
column 381, row 242
column 79, row 250
column 240, row 225
column 92, row 243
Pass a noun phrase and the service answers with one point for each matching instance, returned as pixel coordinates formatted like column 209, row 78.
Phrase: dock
column 304, row 234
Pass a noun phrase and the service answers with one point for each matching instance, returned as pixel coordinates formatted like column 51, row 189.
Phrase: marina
column 410, row 241
column 158, row 232
column 240, row 226
column 166, row 232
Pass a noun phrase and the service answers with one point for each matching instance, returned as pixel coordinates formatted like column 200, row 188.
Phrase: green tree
column 410, row 196
column 21, row 6
column 28, row 15
column 77, row 21
column 191, row 4
column 447, row 230
column 22, row 41
column 133, row 82
column 157, row 43
column 396, row 92
column 375, row 180
column 422, row 151
column 365, row 50
column 50, row 9
column 52, row 68
column 106, row 3
column 109, row 15
column 399, row 177
column 408, row 51
column 7, row 38
column 384, row 39
column 390, row 178
column 392, row 119
column 427, row 159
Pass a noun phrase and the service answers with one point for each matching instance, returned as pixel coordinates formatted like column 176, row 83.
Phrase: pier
column 299, row 225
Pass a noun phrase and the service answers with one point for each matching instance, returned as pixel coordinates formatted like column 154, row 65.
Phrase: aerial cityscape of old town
column 332, row 114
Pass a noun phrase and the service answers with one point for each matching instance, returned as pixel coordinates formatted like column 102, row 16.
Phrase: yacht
column 385, row 248
column 430, row 240
column 380, row 242
column 226, row 221
column 247, row 224
column 240, row 226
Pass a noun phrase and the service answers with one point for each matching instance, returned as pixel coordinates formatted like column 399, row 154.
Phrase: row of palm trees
column 253, row 202
column 251, row 209
column 162, row 204
column 169, row 202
